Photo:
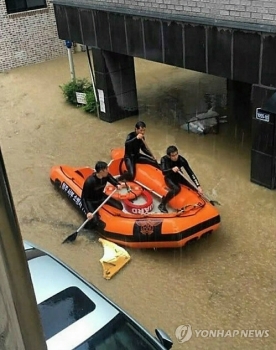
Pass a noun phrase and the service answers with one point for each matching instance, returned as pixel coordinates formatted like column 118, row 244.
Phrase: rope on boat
column 193, row 206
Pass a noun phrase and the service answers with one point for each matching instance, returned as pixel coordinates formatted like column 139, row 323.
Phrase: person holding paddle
column 171, row 165
column 135, row 142
column 93, row 192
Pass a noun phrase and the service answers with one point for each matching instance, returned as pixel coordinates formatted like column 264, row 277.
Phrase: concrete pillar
column 115, row 85
column 20, row 327
column 263, row 152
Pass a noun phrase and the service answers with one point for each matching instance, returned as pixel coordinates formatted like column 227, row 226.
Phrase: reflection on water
column 175, row 109
column 226, row 281
column 172, row 96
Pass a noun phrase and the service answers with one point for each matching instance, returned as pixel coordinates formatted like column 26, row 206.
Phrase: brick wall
column 250, row 11
column 28, row 37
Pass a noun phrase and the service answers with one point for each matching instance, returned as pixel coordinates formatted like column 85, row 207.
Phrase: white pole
column 93, row 81
column 71, row 64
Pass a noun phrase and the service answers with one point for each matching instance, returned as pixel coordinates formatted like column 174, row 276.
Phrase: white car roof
column 50, row 278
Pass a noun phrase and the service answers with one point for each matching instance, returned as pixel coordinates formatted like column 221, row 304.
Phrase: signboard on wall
column 262, row 115
column 101, row 100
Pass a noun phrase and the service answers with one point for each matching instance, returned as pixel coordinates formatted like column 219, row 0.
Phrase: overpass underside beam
column 238, row 54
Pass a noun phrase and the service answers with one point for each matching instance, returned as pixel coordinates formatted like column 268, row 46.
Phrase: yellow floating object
column 114, row 258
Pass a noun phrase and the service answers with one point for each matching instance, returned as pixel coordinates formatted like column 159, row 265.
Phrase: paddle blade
column 71, row 238
column 214, row 203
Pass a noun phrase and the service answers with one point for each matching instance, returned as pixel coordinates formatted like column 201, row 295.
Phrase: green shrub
column 80, row 85
column 91, row 105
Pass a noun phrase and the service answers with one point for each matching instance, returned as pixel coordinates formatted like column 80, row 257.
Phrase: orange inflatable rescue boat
column 140, row 224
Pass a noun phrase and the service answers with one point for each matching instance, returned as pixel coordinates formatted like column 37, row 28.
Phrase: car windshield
column 119, row 334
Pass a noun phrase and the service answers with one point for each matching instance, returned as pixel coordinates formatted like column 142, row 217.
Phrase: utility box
column 263, row 152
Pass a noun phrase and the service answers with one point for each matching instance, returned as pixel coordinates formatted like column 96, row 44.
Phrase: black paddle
column 74, row 235
column 213, row 202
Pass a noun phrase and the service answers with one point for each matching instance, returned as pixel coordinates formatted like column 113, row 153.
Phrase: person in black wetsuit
column 133, row 144
column 92, row 193
column 171, row 164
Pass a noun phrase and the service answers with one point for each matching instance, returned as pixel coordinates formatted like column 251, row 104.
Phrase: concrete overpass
column 234, row 39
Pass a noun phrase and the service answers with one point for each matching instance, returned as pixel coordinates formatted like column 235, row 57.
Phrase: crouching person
column 171, row 165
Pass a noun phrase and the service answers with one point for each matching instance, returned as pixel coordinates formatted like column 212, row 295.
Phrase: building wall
column 250, row 11
column 31, row 37
column 28, row 37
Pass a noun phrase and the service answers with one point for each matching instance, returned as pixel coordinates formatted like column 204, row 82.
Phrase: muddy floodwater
column 226, row 281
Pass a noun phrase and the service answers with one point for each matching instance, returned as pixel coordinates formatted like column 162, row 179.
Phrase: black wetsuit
column 92, row 195
column 172, row 179
column 133, row 155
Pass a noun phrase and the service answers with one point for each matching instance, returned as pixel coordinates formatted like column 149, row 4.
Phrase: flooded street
column 226, row 281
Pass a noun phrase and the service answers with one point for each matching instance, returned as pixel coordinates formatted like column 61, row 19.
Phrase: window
column 24, row 5
column 63, row 309
column 119, row 334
